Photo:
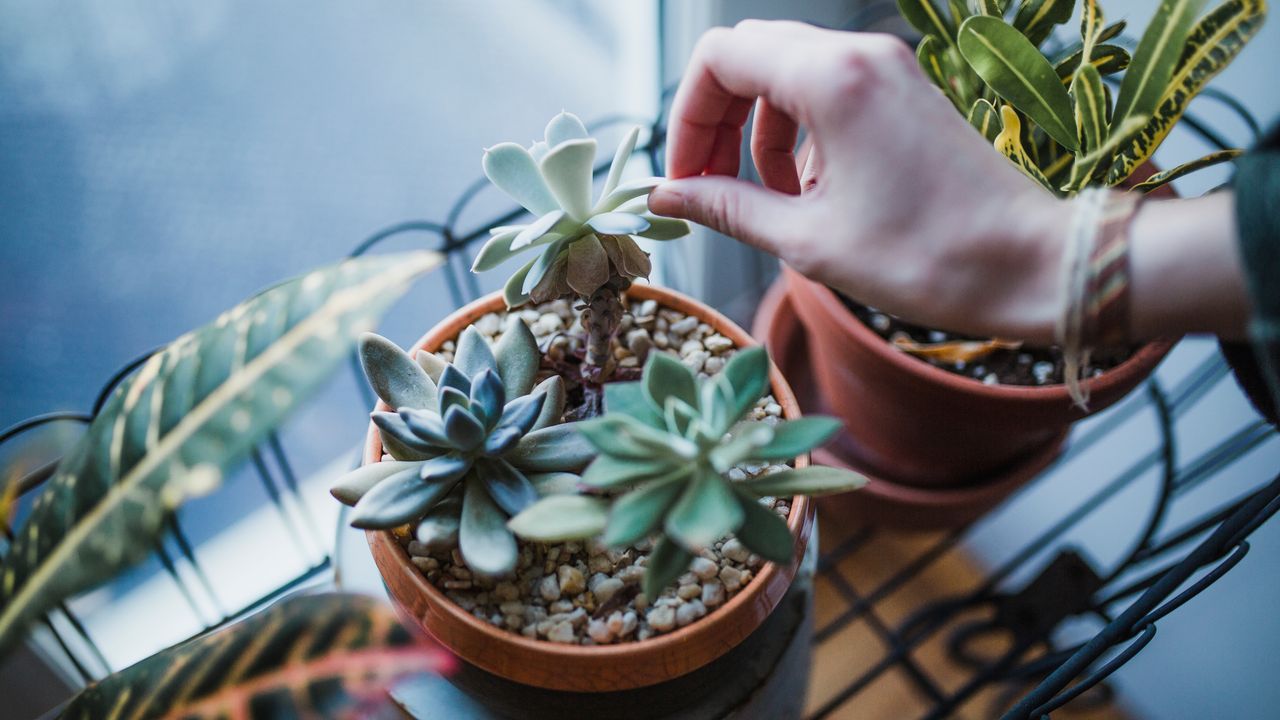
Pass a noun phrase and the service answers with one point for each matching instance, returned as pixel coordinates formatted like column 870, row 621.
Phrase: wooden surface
column 860, row 644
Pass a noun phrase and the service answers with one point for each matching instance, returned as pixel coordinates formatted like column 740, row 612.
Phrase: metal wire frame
column 1059, row 674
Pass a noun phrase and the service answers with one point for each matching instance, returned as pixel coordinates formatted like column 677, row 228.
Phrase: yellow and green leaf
column 1019, row 74
column 985, row 119
column 176, row 426
column 1156, row 58
column 1036, row 18
column 1165, row 177
column 992, row 8
column 1108, row 59
column 1091, row 25
column 1211, row 46
column 1009, row 143
column 1090, row 108
column 929, row 19
column 1087, row 165
column 328, row 655
column 929, row 53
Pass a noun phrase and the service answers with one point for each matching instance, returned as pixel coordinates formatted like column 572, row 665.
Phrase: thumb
column 737, row 208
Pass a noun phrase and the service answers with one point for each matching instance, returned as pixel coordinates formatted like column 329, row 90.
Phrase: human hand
column 905, row 207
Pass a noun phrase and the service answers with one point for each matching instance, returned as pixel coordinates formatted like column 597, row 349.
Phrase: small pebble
column 881, row 322
column 732, row 578
column 713, row 594
column 599, row 631
column 695, row 360
column 991, row 379
column 562, row 632
column 684, row 326
column 688, row 592
column 662, row 618
column 689, row 612
column 717, row 344
column 735, row 550
column 549, row 588
column 1041, row 371
column 571, row 580
column 713, row 365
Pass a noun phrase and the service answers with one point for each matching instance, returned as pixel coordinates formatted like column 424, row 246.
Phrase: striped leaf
column 330, row 655
column 1009, row 142
column 1212, row 45
column 1086, row 166
column 959, row 11
column 929, row 53
column 993, row 8
column 1091, row 24
column 1165, row 177
column 1090, row 107
column 1036, row 18
column 1107, row 59
column 985, row 119
column 1019, row 74
column 1156, row 58
column 171, row 430
column 929, row 19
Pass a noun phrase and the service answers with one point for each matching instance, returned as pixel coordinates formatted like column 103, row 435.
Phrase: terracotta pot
column 919, row 425
column 881, row 502
column 606, row 668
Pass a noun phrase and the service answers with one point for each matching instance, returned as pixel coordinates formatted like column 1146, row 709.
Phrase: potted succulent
column 588, row 500
column 947, row 426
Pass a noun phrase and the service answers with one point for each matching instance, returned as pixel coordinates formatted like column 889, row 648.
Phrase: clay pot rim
column 1146, row 357
column 799, row 521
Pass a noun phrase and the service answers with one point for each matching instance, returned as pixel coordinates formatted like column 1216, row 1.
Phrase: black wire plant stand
column 1167, row 564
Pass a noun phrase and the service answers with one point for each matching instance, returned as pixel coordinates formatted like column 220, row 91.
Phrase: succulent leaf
column 393, row 375
column 640, row 512
column 452, row 377
column 792, row 438
column 513, row 293
column 553, row 406
column 426, row 426
column 664, row 377
column 429, row 362
column 400, row 451
column 626, row 437
column 555, row 448
column 813, row 480
column 554, row 483
column 514, row 171
column 452, row 397
column 567, row 170
column 521, row 413
column 508, row 487
column 664, row 228
column 561, row 517
column 543, row 264
column 763, row 532
column 619, row 164
column 629, row 398
column 667, row 561
column 517, row 356
column 352, row 486
column 473, row 355
column 628, row 191
column 608, row 471
column 588, row 265
column 542, row 231
column 398, row 499
column 439, row 529
column 483, row 538
column 618, row 223
column 488, row 398
column 748, row 374
column 497, row 250
column 563, row 128
column 445, row 468
column 706, row 511
column 462, row 428
column 391, row 424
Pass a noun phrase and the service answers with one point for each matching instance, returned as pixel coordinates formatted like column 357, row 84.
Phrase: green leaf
column 984, row 118
column 430, row 362
column 763, row 532
column 667, row 562
column 1090, row 108
column 629, row 398
column 514, row 171
column 316, row 655
column 1091, row 25
column 619, row 164
column 439, row 528
column 1107, row 59
column 489, row 398
column 626, row 437
column 1017, row 72
column 1156, row 58
column 561, row 517
column 108, row 501
column 513, row 293
column 1165, row 177
column 496, row 250
column 399, row 499
column 555, row 448
column 554, row 483
column 517, row 357
column 462, row 428
column 517, row 419
column 351, row 487
column 1083, row 170
column 748, row 374
column 994, row 8
column 640, row 512
column 567, row 169
column 706, row 512
column 664, row 228
column 1036, row 18
column 608, row 471
column 483, row 538
column 394, row 376
column 1212, row 45
column 543, row 264
column 452, row 378
column 792, row 438
column 665, row 376
column 627, row 191
column 553, row 406
column 747, row 437
column 473, row 355
column 928, row 19
column 929, row 54
column 508, row 487
column 814, row 480
column 424, row 426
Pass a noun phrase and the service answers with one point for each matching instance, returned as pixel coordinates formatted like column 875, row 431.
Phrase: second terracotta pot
column 918, row 425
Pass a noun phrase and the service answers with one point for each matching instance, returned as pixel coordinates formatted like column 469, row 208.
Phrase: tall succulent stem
column 601, row 316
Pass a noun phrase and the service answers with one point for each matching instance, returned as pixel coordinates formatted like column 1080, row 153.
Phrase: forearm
column 1186, row 274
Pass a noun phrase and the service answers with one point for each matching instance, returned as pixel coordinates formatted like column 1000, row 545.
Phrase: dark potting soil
column 1023, row 366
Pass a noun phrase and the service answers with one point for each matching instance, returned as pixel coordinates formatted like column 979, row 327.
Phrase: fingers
column 773, row 140
column 728, row 71
column 739, row 209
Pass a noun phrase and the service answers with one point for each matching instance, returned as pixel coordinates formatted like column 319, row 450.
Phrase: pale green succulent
column 580, row 245
column 473, row 443
column 666, row 446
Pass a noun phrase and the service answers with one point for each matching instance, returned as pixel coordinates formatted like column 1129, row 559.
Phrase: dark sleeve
column 1257, row 191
